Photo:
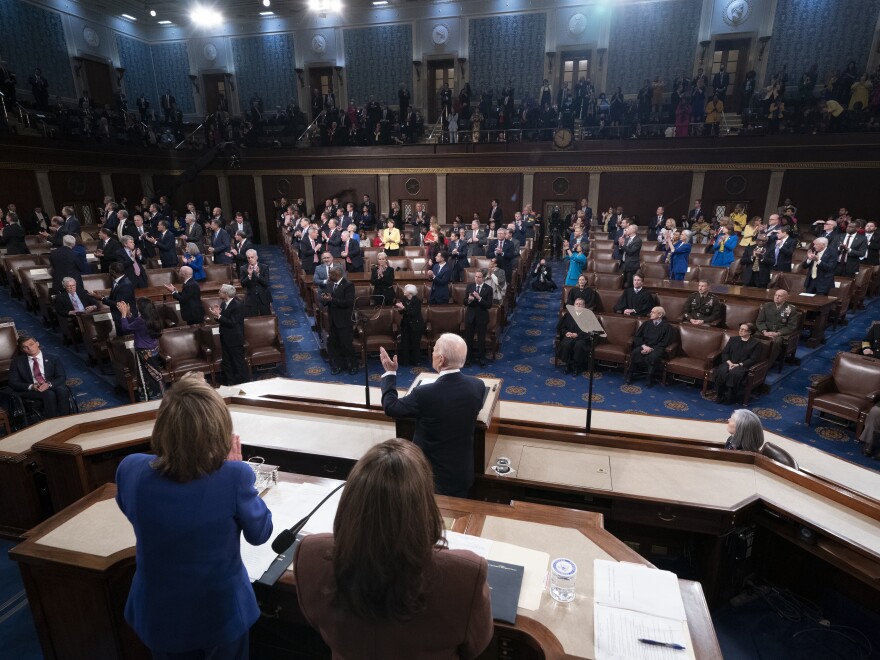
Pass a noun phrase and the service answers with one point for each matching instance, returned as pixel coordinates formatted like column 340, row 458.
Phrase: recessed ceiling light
column 379, row 3
column 131, row 18
column 164, row 22
column 152, row 12
column 267, row 13
column 266, row 3
column 206, row 16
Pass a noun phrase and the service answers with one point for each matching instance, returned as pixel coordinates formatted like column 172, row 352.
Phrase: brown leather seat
column 123, row 362
column 169, row 313
column 655, row 271
column 8, row 347
column 737, row 312
column 608, row 281
column 12, row 263
column 713, row 274
column 674, row 306
column 849, row 391
column 792, row 282
column 264, row 344
column 602, row 244
column 458, row 290
column 219, row 273
column 650, row 256
column 441, row 319
column 96, row 282
column 97, row 330
column 757, row 373
column 413, row 251
column 184, row 350
column 601, row 266
column 494, row 329
column 400, row 263
column 479, row 262
column 362, row 293
column 617, row 345
column 161, row 276
column 699, row 258
column 28, row 276
column 380, row 330
column 694, row 354
column 607, row 300
column 46, row 302
column 779, row 455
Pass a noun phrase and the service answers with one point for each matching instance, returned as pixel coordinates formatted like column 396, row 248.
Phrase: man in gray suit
column 322, row 272
column 475, row 239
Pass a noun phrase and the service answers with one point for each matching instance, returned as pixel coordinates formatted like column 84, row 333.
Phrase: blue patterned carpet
column 525, row 363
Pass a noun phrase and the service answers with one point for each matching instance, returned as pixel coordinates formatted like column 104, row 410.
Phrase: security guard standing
column 702, row 307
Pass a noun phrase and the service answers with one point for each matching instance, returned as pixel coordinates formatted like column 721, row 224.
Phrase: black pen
column 666, row 645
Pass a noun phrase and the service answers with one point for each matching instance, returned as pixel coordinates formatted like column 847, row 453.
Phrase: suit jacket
column 167, row 247
column 191, row 590
column 123, row 290
column 307, row 254
column 258, row 293
column 656, row 336
column 477, row 311
column 341, row 303
column 824, row 280
column 111, row 222
column 64, row 306
column 195, row 234
column 70, row 226
column 445, row 412
column 456, row 592
column 241, row 250
column 678, row 262
column 66, row 263
column 497, row 215
column 232, row 323
column 872, row 256
column 140, row 281
column 642, row 301
column 783, row 260
column 334, row 242
column 113, row 253
column 857, row 250
column 246, row 227
column 21, row 376
column 630, row 254
column 13, row 239
column 440, row 284
column 190, row 299
column 508, row 254
column 221, row 245
column 355, row 261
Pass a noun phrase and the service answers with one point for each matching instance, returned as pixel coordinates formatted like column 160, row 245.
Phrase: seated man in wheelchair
column 35, row 376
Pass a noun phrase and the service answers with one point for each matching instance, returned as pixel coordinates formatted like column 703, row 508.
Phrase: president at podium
column 445, row 412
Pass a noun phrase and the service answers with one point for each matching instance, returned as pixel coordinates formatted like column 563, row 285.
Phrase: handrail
column 188, row 137
column 309, row 127
column 439, row 125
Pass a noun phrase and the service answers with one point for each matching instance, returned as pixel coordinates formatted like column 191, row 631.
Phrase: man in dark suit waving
column 630, row 246
column 230, row 316
column 477, row 300
column 189, row 297
column 35, row 375
column 445, row 412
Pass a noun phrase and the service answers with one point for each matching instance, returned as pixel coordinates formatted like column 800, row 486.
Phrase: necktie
column 77, row 305
column 223, row 306
column 38, row 375
column 137, row 268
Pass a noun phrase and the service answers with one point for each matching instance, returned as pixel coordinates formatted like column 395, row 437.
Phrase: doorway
column 573, row 65
column 321, row 78
column 439, row 72
column 734, row 55
column 98, row 81
column 216, row 96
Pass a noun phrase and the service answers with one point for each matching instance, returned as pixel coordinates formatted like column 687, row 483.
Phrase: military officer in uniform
column 777, row 321
column 702, row 307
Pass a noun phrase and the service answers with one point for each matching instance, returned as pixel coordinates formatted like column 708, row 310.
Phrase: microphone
column 286, row 538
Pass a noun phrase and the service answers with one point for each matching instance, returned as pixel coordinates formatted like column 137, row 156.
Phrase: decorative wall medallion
column 91, row 37
column 737, row 12
column 440, row 34
column 319, row 44
column 77, row 185
column 413, row 186
column 735, row 185
column 560, row 185
column 577, row 23
column 284, row 186
column 210, row 52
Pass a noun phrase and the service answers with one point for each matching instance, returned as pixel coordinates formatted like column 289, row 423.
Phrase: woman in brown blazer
column 383, row 585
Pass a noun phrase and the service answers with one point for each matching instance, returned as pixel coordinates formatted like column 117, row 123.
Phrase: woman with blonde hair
column 193, row 258
column 189, row 504
column 378, row 586
column 382, row 279
column 391, row 239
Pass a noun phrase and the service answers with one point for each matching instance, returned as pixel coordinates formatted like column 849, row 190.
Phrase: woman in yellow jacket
column 391, row 239
column 739, row 219
column 750, row 232
column 714, row 113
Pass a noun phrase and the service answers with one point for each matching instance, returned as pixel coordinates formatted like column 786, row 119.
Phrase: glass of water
column 563, row 575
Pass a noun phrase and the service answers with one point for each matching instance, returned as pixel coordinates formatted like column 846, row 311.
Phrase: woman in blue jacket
column 577, row 261
column 725, row 242
column 189, row 504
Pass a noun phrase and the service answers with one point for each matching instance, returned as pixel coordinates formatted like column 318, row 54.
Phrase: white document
column 476, row 544
column 290, row 503
column 617, row 634
column 639, row 588
column 807, row 295
column 535, row 564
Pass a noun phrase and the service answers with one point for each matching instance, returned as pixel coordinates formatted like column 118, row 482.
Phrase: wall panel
column 19, row 187
column 641, row 194
column 203, row 187
column 817, row 194
column 127, row 185
column 244, row 199
column 377, row 60
column 732, row 186
column 507, row 50
column 578, row 184
column 68, row 186
column 348, row 188
column 467, row 193
column 427, row 190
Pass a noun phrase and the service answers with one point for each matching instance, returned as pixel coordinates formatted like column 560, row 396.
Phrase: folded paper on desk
column 290, row 503
column 534, row 563
column 635, row 602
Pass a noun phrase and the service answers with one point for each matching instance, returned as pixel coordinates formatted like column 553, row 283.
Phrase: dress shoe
column 627, row 380
column 336, row 370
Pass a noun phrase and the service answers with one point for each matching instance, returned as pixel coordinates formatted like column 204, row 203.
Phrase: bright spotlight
column 266, row 3
column 323, row 6
column 206, row 16
column 152, row 12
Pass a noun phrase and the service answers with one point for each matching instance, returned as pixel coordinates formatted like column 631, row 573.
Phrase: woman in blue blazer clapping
column 189, row 504
column 725, row 242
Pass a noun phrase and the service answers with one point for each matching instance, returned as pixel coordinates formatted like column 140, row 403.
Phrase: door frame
column 748, row 40
column 82, row 80
column 457, row 79
column 231, row 97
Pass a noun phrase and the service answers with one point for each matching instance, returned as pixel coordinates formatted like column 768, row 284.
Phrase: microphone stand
column 361, row 319
column 593, row 336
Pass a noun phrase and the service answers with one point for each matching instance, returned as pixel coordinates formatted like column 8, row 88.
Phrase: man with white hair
column 66, row 263
column 255, row 280
column 649, row 344
column 820, row 264
column 445, row 412
column 230, row 315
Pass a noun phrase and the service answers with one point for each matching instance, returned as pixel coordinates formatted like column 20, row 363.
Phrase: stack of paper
column 634, row 602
